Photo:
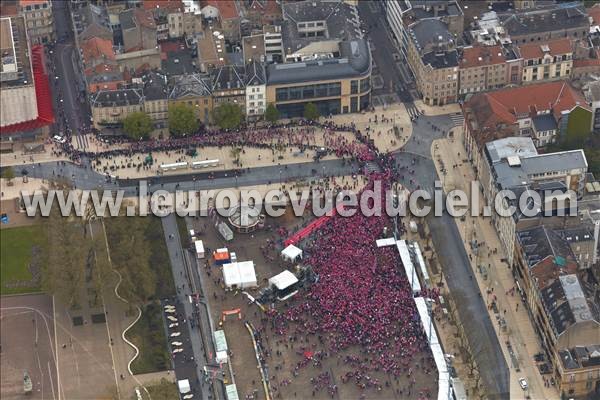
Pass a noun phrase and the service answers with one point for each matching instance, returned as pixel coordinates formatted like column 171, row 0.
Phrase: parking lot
column 28, row 345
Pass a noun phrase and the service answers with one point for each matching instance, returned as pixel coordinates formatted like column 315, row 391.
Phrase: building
column 156, row 99
column 139, row 30
column 210, row 46
column 253, row 48
column 160, row 10
column 193, row 90
column 547, row 23
column 547, row 61
column 273, row 43
column 226, row 15
column 256, row 90
column 327, row 62
column 592, row 95
column 402, row 13
column 485, row 68
column 229, row 85
column 39, row 20
column 263, row 12
column 513, row 164
column 110, row 107
column 516, row 112
column 563, row 308
column 25, row 96
column 335, row 86
column 92, row 22
column 433, row 59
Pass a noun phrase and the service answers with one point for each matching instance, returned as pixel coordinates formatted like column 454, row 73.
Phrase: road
column 71, row 108
column 184, row 281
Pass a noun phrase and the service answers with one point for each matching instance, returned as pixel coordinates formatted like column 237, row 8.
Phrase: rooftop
column 15, row 68
column 501, row 149
column 477, row 56
column 191, row 85
column 114, row 98
column 551, row 19
column 552, row 47
column 434, row 9
column 228, row 77
column 580, row 356
column 354, row 61
column 97, row 49
column 437, row 60
column 540, row 242
column 227, row 8
column 155, row 86
column 339, row 21
column 544, row 122
column 176, row 58
column 429, row 33
column 255, row 74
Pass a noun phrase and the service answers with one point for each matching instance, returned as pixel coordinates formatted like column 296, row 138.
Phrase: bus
column 204, row 164
column 174, row 166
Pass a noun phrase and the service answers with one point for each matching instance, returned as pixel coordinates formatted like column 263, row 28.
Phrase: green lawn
column 164, row 390
column 148, row 334
column 20, row 248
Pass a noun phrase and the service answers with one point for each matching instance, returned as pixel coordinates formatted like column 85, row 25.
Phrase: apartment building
column 256, row 90
column 273, row 43
column 139, row 30
column 546, row 23
column 402, row 13
column 110, row 107
column 226, row 15
column 547, row 61
column 513, row 164
column 485, row 68
column 564, row 310
column 433, row 59
column 229, row 85
column 156, row 99
column 540, row 111
column 39, row 20
column 193, row 90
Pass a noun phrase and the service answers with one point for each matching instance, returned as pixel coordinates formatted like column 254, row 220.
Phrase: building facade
column 39, row 20
column 193, row 90
column 547, row 61
column 256, row 90
column 110, row 107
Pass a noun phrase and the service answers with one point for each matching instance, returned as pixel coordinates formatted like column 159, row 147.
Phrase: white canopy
column 283, row 280
column 240, row 275
column 199, row 248
column 291, row 253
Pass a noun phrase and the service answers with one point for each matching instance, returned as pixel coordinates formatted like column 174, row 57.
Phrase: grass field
column 18, row 247
column 164, row 390
column 148, row 335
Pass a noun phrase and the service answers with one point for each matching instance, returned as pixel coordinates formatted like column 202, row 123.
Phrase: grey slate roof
column 538, row 21
column 429, row 31
column 354, row 61
column 112, row 98
column 545, row 122
column 228, row 77
column 447, row 59
column 191, row 85
column 255, row 74
column 155, row 86
column 540, row 242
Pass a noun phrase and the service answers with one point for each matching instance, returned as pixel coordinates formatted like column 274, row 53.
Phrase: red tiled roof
column 478, row 56
column 173, row 5
column 145, row 18
column 43, row 96
column 594, row 12
column 503, row 106
column 227, row 8
column 96, row 48
column 268, row 7
column 534, row 50
column 588, row 62
column 24, row 3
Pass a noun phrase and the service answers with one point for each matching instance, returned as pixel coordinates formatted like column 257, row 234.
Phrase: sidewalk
column 437, row 110
column 520, row 331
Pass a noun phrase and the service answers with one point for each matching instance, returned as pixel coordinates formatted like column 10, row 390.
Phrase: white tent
column 291, row 253
column 239, row 275
column 283, row 280
column 199, row 249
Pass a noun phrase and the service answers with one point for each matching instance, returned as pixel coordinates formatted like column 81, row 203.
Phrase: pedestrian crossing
column 82, row 141
column 372, row 167
column 457, row 119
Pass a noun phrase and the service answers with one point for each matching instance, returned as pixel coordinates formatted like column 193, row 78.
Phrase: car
column 173, row 325
column 523, row 383
column 177, row 351
column 171, row 318
column 170, row 311
column 176, row 344
column 188, row 396
column 175, row 334
column 59, row 139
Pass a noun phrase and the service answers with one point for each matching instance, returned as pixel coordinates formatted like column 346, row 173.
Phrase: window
column 354, row 87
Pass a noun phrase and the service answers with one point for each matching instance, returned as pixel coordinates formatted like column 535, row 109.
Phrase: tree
column 271, row 113
column 138, row 125
column 67, row 255
column 311, row 112
column 182, row 120
column 228, row 116
column 8, row 173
